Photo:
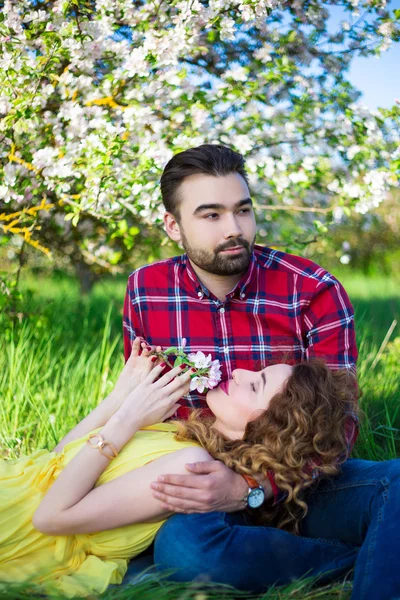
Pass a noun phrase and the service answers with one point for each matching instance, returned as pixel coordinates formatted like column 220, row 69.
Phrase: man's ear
column 172, row 227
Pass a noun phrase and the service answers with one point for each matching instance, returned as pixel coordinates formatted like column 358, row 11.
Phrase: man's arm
column 329, row 326
column 329, row 322
column 329, row 333
column 211, row 487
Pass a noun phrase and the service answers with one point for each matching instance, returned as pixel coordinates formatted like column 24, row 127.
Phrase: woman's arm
column 125, row 500
column 129, row 378
column 151, row 402
column 95, row 419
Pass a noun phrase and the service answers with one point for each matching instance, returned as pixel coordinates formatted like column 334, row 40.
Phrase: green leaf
column 171, row 350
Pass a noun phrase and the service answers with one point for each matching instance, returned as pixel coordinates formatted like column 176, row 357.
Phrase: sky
column 378, row 78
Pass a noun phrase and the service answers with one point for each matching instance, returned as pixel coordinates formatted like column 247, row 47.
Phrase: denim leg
column 140, row 568
column 353, row 520
column 361, row 506
column 222, row 548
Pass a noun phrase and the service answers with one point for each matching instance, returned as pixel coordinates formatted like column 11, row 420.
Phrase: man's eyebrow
column 217, row 206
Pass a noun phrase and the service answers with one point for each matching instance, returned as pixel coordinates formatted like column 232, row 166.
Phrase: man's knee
column 186, row 544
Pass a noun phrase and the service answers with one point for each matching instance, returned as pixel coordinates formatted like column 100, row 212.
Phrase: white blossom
column 200, row 360
column 237, row 73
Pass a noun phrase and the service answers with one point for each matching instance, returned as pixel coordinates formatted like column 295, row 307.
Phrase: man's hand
column 213, row 487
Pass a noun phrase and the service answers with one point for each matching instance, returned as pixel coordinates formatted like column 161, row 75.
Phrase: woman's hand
column 136, row 369
column 154, row 399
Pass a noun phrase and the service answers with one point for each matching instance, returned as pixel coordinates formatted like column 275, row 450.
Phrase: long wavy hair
column 303, row 428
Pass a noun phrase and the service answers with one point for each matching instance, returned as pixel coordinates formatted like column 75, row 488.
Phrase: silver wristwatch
column 255, row 495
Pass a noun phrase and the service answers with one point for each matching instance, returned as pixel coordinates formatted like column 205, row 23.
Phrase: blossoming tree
column 97, row 95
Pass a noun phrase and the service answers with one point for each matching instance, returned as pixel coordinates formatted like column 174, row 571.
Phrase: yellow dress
column 73, row 565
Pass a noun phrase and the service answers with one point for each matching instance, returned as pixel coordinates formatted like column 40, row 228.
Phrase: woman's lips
column 224, row 387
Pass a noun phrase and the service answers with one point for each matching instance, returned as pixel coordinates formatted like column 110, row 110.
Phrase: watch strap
column 251, row 482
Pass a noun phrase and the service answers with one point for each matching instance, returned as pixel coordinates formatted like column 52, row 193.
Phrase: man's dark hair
column 208, row 159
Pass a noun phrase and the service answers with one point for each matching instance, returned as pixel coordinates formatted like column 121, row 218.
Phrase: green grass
column 65, row 354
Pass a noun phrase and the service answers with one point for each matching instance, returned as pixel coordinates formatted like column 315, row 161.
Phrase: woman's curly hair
column 303, row 428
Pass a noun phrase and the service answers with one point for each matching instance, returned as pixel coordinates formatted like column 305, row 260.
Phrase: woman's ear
column 172, row 227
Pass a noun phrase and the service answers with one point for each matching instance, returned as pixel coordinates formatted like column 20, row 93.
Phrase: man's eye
column 245, row 210
column 211, row 215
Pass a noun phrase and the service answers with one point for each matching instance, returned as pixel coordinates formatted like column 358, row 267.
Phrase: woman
column 71, row 519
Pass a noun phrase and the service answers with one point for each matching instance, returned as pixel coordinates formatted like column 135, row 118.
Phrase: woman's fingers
column 178, row 387
column 156, row 372
column 168, row 377
column 171, row 412
column 146, row 349
column 179, row 381
column 135, row 350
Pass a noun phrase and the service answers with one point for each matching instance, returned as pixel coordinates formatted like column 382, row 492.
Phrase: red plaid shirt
column 285, row 308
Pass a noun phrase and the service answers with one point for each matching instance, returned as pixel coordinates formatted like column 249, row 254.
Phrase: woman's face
column 242, row 398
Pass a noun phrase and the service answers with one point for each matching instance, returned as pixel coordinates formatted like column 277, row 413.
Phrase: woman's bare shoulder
column 190, row 454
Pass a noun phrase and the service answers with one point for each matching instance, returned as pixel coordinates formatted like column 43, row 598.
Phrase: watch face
column 255, row 498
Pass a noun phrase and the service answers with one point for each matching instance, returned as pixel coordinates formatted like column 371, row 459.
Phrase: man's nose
column 232, row 228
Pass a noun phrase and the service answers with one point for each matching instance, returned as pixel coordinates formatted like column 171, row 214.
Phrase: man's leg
column 353, row 518
column 222, row 548
column 140, row 568
column 362, row 507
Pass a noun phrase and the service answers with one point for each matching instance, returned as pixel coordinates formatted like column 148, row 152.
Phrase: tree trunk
column 86, row 278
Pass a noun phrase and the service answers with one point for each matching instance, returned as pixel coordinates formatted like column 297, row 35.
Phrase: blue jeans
column 353, row 522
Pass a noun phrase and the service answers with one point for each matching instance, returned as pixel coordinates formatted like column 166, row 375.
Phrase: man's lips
column 225, row 387
column 234, row 250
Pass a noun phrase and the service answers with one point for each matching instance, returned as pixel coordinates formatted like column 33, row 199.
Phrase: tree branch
column 311, row 209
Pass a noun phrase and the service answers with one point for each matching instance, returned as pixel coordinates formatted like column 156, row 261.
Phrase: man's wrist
column 266, row 485
column 268, row 491
column 243, row 488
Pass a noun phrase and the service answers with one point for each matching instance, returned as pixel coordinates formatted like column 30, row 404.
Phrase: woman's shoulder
column 193, row 453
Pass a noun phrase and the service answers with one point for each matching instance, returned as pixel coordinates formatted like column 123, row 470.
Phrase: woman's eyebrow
column 264, row 379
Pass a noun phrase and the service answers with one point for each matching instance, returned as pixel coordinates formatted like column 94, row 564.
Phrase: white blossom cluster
column 91, row 109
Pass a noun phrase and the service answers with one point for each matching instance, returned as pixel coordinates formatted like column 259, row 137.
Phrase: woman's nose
column 239, row 374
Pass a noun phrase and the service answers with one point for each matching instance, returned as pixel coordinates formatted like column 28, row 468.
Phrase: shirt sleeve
column 329, row 326
column 132, row 327
column 329, row 322
column 329, row 334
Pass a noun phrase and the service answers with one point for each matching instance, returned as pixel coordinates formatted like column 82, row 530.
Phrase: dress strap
column 166, row 427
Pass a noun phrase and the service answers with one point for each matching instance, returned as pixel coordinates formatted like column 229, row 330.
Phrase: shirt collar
column 240, row 290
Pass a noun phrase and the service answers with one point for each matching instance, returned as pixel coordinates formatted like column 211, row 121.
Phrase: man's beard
column 218, row 263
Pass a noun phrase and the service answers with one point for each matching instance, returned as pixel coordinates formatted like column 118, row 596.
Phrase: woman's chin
column 209, row 399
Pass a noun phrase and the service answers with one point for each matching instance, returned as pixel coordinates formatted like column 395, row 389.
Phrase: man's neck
column 219, row 285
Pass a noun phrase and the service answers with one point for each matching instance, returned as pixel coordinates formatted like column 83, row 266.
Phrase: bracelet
column 101, row 444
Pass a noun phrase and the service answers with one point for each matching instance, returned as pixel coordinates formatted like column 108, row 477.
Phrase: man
column 248, row 306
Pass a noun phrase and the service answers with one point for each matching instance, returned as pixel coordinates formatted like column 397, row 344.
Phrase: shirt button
column 222, row 310
column 200, row 294
column 226, row 350
column 242, row 295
